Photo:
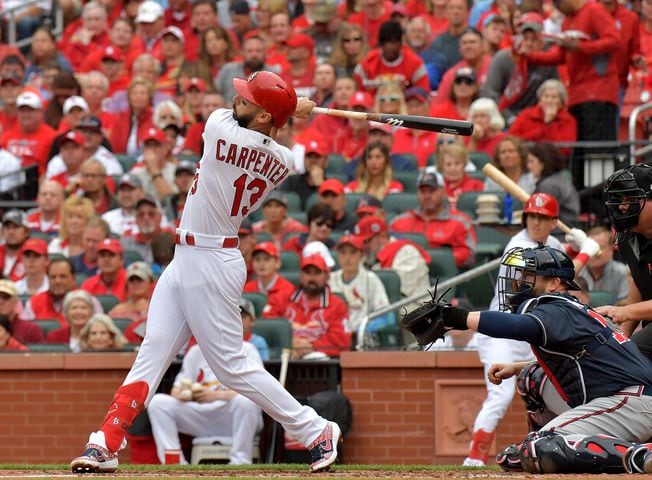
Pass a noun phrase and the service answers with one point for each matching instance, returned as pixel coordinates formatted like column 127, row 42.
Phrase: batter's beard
column 243, row 120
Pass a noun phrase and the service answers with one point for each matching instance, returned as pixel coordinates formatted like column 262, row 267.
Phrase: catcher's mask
column 522, row 265
column 625, row 193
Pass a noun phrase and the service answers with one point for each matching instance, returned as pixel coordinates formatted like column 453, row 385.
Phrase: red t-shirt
column 96, row 286
column 409, row 70
column 31, row 148
column 277, row 296
column 422, row 144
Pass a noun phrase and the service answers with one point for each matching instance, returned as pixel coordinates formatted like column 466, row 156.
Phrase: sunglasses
column 352, row 39
column 464, row 81
column 321, row 223
column 389, row 98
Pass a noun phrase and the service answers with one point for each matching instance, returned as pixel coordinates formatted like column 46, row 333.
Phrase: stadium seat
column 479, row 290
column 131, row 256
column 335, row 164
column 263, row 237
column 299, row 216
column 48, row 347
column 400, row 202
column 80, row 278
column 259, row 301
column 127, row 161
column 277, row 332
column 48, row 325
column 403, row 162
column 391, row 282
column 478, row 175
column 192, row 158
column 408, row 179
column 294, row 202
column 599, row 298
column 479, row 159
column 107, row 301
column 289, row 260
column 491, row 242
column 442, row 263
column 414, row 237
column 341, row 176
column 352, row 200
column 122, row 323
column 291, row 276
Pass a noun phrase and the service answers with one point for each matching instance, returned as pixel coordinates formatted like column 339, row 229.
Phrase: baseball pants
column 237, row 420
column 498, row 350
column 199, row 294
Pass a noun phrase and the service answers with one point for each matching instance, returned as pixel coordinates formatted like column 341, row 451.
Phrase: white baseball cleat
column 324, row 450
column 473, row 462
column 95, row 459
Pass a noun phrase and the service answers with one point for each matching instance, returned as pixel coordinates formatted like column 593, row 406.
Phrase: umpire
column 626, row 193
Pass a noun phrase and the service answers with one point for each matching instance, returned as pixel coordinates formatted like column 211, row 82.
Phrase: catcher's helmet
column 625, row 193
column 270, row 92
column 522, row 267
column 540, row 203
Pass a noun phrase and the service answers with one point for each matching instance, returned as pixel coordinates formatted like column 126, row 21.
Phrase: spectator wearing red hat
column 35, row 258
column 46, row 217
column 363, row 290
column 158, row 166
column 172, row 58
column 266, row 263
column 275, row 220
column 331, row 193
column 406, row 258
column 123, row 39
column 441, row 225
column 15, row 233
column 321, row 220
column 71, row 151
column 374, row 173
column 354, row 139
column 194, row 142
column 193, row 90
column 315, row 162
column 410, row 140
column 320, row 319
column 392, row 60
column 10, row 87
column 111, row 278
column 132, row 125
column 148, row 221
column 112, row 65
column 30, row 137
column 79, row 40
column 301, row 64
column 371, row 18
column 94, row 233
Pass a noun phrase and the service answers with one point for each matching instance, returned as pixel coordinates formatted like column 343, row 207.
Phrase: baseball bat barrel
column 513, row 189
column 431, row 124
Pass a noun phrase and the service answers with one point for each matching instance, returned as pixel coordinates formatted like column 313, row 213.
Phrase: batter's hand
column 501, row 371
column 304, row 107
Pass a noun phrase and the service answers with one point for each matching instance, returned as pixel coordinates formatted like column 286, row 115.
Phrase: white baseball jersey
column 237, row 171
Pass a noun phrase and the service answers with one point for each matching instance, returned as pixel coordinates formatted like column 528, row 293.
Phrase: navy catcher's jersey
column 584, row 354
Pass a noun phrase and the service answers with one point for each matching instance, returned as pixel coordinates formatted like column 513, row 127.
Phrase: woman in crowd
column 76, row 213
column 348, row 49
column 488, row 126
column 168, row 115
column 510, row 157
column 451, row 163
column 548, row 120
column 321, row 220
column 100, row 333
column 130, row 126
column 78, row 308
column 464, row 92
column 263, row 14
column 390, row 99
column 548, row 167
column 7, row 342
column 44, row 49
column 374, row 173
column 216, row 49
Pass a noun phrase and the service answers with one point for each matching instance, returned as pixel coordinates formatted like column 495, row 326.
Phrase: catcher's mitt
column 425, row 322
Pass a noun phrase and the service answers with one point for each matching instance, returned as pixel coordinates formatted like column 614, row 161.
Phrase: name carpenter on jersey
column 251, row 159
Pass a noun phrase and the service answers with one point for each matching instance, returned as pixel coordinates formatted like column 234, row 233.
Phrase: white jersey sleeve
column 238, row 169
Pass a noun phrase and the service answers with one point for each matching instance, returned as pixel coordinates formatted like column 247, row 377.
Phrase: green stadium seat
column 442, row 263
column 396, row 203
column 80, row 278
column 491, row 242
column 294, row 202
column 599, row 298
column 299, row 216
column 107, row 301
column 127, row 161
column 122, row 323
column 408, row 179
column 48, row 347
column 131, row 256
column 291, row 276
column 479, row 290
column 404, row 162
column 263, row 237
column 478, row 175
column 48, row 325
column 479, row 159
column 290, row 260
column 352, row 200
column 192, row 158
column 259, row 300
column 277, row 332
column 414, row 237
column 391, row 282
column 40, row 235
column 335, row 164
column 341, row 176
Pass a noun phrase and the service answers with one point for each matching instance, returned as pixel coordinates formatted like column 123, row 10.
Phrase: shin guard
column 549, row 452
column 127, row 403
column 480, row 445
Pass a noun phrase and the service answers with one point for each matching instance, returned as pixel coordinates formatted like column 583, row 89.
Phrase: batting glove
column 576, row 238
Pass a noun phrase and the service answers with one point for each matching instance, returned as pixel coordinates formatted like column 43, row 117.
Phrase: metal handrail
column 451, row 282
column 56, row 13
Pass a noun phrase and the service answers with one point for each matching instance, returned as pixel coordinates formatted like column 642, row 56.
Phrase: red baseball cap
column 154, row 134
column 300, row 40
column 367, row 227
column 113, row 53
column 361, row 99
column 195, row 82
column 353, row 240
column 36, row 245
column 111, row 245
column 368, row 204
column 269, row 248
column 315, row 260
column 72, row 136
column 316, row 146
column 331, row 185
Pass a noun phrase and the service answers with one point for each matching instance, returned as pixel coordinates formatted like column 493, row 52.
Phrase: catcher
column 598, row 371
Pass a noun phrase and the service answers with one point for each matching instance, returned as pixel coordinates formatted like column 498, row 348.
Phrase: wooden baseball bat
column 431, row 124
column 513, row 189
column 285, row 362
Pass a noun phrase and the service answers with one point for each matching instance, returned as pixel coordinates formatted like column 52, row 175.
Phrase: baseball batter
column 540, row 215
column 199, row 292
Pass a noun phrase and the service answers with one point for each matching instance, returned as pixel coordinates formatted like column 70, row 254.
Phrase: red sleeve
column 461, row 249
column 554, row 56
column 337, row 338
column 604, row 28
column 193, row 137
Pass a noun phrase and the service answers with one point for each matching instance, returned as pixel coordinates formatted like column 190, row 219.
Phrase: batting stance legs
column 185, row 302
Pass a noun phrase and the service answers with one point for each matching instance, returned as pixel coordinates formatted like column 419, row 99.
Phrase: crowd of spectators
column 110, row 117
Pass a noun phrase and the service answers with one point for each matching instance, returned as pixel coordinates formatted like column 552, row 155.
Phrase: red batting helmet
column 541, row 203
column 270, row 92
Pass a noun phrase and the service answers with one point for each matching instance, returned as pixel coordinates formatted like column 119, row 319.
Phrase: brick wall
column 409, row 407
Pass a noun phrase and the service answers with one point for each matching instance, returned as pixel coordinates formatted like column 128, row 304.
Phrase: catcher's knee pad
column 529, row 385
column 549, row 452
